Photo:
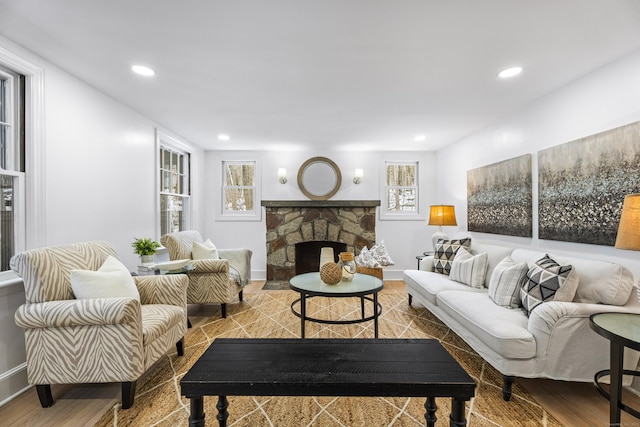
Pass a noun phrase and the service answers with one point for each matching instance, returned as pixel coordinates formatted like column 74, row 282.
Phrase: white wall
column 100, row 169
column 605, row 99
column 403, row 239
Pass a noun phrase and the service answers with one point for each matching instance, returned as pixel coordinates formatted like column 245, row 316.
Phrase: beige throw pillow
column 206, row 250
column 506, row 281
column 112, row 280
column 469, row 269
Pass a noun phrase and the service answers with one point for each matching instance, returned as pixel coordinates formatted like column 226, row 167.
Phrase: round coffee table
column 362, row 285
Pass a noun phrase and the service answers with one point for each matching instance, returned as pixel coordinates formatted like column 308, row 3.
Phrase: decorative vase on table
column 326, row 255
column 347, row 265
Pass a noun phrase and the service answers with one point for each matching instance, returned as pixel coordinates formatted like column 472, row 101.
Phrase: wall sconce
column 282, row 175
column 357, row 178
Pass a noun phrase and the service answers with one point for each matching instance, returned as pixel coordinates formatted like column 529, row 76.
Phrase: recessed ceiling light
column 143, row 71
column 419, row 138
column 223, row 137
column 510, row 72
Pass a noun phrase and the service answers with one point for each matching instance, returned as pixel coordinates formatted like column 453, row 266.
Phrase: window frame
column 168, row 143
column 252, row 215
column 394, row 215
column 31, row 209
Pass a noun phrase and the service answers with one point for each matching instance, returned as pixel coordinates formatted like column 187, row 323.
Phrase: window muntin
column 174, row 190
column 401, row 188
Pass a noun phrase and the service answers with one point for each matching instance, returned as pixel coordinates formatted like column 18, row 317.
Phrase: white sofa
column 555, row 341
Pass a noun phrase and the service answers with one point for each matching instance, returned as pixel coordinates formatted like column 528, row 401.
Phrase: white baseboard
column 13, row 383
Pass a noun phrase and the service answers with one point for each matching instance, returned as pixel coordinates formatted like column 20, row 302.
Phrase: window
column 174, row 189
column 239, row 191
column 401, row 190
column 12, row 163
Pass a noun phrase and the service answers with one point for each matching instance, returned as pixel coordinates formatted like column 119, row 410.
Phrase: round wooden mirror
column 319, row 178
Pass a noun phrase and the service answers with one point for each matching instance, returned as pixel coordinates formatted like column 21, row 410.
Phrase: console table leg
column 196, row 417
column 430, row 415
column 457, row 413
column 222, row 406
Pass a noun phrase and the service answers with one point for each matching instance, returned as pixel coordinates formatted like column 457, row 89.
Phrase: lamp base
column 437, row 236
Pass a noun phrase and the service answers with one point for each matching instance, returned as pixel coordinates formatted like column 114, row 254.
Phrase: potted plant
column 146, row 248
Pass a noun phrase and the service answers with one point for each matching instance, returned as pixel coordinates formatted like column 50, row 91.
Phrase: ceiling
column 325, row 75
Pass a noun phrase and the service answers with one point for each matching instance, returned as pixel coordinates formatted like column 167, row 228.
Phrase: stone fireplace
column 352, row 222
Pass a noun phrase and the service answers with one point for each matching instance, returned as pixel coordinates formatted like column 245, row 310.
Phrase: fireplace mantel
column 320, row 203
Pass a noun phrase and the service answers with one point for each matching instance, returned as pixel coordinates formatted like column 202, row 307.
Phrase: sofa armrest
column 165, row 289
column 240, row 262
column 563, row 338
column 426, row 263
column 81, row 312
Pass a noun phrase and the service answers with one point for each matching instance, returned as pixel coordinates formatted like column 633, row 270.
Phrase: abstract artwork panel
column 499, row 198
column 582, row 184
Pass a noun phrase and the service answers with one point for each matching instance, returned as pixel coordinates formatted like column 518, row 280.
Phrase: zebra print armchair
column 98, row 340
column 212, row 281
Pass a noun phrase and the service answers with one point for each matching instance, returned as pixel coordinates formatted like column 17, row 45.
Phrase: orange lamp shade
column 629, row 229
column 442, row 215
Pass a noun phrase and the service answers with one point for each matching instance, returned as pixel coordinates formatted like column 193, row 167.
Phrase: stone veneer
column 290, row 221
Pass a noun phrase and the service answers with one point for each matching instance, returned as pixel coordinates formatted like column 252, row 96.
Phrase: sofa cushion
column 445, row 252
column 158, row 319
column 506, row 281
column 500, row 329
column 548, row 281
column 600, row 282
column 428, row 284
column 469, row 269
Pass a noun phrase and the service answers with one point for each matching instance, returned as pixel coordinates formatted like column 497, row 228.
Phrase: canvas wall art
column 499, row 199
column 582, row 184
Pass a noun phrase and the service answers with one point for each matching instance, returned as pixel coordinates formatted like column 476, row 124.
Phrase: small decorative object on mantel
column 347, row 265
column 146, row 248
column 330, row 273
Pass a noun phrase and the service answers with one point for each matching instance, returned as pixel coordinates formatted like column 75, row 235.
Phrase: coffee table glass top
column 311, row 283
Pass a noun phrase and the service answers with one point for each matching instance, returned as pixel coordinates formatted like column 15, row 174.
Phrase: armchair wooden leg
column 180, row 347
column 44, row 394
column 128, row 394
column 223, row 306
column 240, row 296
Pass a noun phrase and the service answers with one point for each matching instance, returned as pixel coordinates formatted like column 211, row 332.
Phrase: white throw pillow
column 380, row 254
column 505, row 282
column 206, row 250
column 469, row 269
column 112, row 280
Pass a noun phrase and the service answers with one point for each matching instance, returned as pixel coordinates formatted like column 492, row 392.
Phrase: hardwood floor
column 573, row 404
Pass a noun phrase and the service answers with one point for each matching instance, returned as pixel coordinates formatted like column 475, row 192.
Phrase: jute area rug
column 268, row 314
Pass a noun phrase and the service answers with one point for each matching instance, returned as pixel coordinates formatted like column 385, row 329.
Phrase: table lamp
column 441, row 215
column 629, row 229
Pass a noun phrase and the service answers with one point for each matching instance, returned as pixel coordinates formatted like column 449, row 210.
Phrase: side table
column 622, row 330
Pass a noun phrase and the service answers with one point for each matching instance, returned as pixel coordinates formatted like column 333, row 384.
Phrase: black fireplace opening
column 308, row 254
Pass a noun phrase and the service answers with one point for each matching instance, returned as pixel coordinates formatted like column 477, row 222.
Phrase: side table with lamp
column 621, row 329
